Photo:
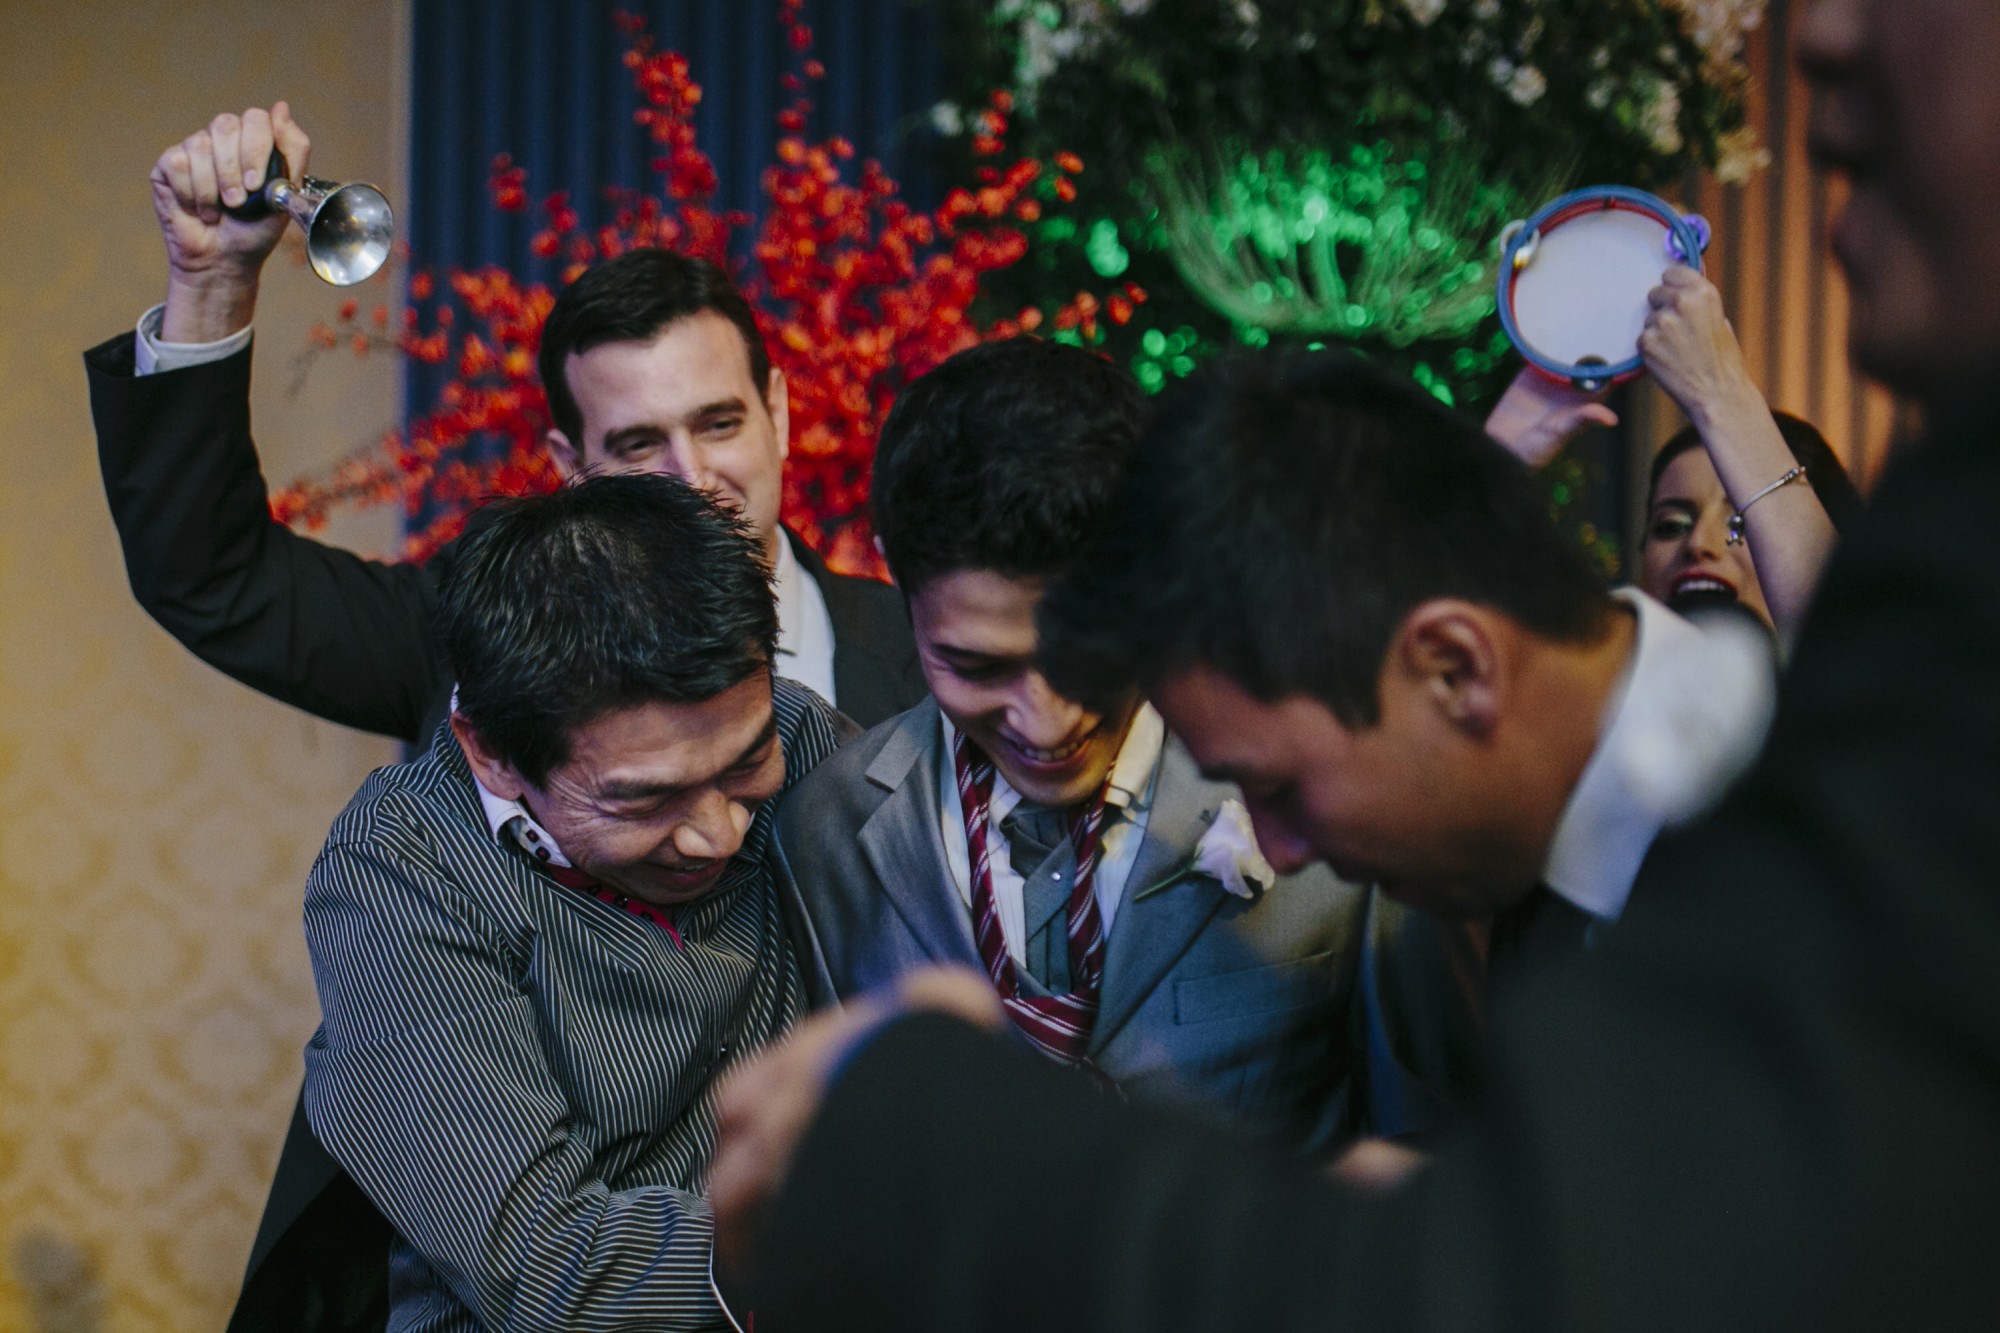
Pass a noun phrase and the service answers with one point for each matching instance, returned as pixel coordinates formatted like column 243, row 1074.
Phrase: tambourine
column 1574, row 279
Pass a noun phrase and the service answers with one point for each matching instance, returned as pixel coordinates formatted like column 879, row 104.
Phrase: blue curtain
column 544, row 81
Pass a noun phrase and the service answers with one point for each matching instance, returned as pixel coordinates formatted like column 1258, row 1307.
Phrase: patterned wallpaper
column 156, row 820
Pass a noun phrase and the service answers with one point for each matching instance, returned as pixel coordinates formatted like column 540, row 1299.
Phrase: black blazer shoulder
column 875, row 669
column 345, row 638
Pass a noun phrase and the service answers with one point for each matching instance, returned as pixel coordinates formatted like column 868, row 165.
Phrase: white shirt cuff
column 151, row 353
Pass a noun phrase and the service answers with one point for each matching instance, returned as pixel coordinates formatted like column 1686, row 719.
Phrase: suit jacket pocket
column 1296, row 984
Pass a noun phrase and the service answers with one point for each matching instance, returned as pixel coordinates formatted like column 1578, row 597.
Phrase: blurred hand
column 1376, row 1166
column 1689, row 347
column 766, row 1105
column 1539, row 414
column 213, row 260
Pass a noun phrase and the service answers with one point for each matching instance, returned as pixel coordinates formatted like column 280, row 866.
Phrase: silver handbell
column 348, row 227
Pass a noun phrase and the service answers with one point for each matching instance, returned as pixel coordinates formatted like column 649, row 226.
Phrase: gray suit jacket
column 1263, row 1011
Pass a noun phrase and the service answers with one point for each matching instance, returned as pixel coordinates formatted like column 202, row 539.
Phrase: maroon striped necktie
column 1058, row 1024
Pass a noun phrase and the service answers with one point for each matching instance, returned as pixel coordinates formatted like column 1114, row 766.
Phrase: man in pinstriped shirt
column 537, row 946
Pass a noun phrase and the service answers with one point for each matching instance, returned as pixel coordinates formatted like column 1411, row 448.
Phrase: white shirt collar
column 785, row 579
column 509, row 820
column 805, row 629
column 1687, row 715
column 1129, row 786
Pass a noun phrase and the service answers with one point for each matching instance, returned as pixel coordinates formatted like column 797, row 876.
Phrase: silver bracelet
column 1736, row 519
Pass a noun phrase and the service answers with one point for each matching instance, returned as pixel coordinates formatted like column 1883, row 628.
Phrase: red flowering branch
column 856, row 291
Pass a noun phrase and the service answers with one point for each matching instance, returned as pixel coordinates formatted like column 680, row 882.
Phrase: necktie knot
column 1059, row 1024
column 1034, row 832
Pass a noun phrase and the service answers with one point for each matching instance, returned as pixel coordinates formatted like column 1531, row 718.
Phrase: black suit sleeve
column 1767, row 1102
column 347, row 639
column 1417, row 1019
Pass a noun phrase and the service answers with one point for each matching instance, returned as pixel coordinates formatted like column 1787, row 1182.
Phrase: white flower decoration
column 1229, row 852
column 1425, row 12
column 1738, row 156
column 1527, row 85
column 1719, row 27
column 1661, row 119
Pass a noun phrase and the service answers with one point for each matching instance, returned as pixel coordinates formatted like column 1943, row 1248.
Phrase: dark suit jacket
column 346, row 639
column 352, row 641
column 1770, row 1100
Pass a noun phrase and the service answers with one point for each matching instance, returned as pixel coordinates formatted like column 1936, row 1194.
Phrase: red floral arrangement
column 857, row 293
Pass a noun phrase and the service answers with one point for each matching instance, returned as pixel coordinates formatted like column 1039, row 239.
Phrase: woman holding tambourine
column 1603, row 285
column 1750, row 515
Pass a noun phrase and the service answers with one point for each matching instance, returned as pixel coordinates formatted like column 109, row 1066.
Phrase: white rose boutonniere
column 1229, row 852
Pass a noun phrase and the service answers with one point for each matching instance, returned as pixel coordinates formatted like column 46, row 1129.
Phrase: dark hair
column 633, row 298
column 1001, row 459
column 1282, row 515
column 556, row 609
column 1830, row 482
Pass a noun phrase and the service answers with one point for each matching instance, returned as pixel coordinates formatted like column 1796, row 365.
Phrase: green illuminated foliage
column 1336, row 171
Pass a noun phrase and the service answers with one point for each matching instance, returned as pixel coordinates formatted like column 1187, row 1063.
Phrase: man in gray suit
column 1117, row 901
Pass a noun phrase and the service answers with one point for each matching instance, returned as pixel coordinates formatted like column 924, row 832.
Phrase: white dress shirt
column 1685, row 719
column 1128, row 800
column 152, row 353
column 805, row 630
column 510, row 821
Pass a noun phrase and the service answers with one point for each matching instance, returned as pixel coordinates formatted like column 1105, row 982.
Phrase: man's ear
column 566, row 456
column 1449, row 650
column 778, row 402
column 494, row 773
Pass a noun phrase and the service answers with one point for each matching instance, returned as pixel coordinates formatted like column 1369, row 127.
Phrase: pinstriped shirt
column 519, row 1075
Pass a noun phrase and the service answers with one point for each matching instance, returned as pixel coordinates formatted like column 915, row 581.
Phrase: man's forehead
column 661, row 743
column 978, row 604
